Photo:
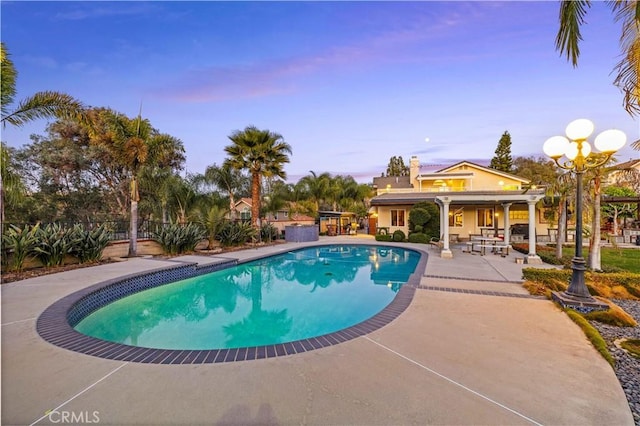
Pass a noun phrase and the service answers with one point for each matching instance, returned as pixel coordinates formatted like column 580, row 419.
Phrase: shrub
column 632, row 346
column 385, row 238
column 418, row 237
column 236, row 233
column 592, row 334
column 53, row 244
column 399, row 236
column 615, row 316
column 88, row 245
column 268, row 232
column 17, row 245
column 177, row 238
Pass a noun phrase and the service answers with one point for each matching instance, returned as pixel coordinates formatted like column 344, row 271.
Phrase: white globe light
column 572, row 151
column 555, row 146
column 610, row 141
column 586, row 149
column 579, row 129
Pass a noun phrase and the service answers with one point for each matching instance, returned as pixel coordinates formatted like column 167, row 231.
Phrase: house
column 279, row 219
column 473, row 200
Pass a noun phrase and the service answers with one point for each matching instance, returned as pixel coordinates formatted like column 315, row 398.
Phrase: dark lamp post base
column 580, row 304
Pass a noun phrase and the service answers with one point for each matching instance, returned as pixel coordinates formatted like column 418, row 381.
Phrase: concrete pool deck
column 489, row 355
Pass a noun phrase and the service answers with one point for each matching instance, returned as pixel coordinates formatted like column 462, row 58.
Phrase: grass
column 593, row 335
column 632, row 346
column 613, row 258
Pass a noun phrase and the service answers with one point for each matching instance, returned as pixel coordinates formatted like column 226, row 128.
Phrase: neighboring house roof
column 244, row 200
column 628, row 164
column 478, row 166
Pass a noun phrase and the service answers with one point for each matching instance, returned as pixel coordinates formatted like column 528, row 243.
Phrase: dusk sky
column 348, row 84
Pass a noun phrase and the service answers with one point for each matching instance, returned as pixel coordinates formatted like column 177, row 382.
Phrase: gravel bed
column 627, row 367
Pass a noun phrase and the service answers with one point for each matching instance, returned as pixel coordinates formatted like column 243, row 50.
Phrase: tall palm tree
column 572, row 17
column 133, row 144
column 263, row 153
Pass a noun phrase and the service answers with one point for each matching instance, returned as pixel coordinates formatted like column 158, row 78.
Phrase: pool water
column 283, row 298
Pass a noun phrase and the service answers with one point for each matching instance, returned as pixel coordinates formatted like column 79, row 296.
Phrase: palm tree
column 562, row 188
column 133, row 144
column 264, row 154
column 315, row 187
column 572, row 17
column 11, row 185
column 45, row 104
column 228, row 179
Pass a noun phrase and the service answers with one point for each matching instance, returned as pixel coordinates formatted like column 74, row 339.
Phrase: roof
column 469, row 197
column 245, row 200
column 486, row 169
column 628, row 164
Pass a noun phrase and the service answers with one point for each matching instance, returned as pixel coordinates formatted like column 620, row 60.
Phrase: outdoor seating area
column 482, row 244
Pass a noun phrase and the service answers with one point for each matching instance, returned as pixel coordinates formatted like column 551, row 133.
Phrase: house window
column 485, row 218
column 397, row 217
column 245, row 214
column 455, row 219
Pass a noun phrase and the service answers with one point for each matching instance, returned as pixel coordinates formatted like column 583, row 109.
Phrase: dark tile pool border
column 55, row 324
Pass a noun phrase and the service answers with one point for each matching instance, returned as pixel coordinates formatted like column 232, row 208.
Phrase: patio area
column 472, row 348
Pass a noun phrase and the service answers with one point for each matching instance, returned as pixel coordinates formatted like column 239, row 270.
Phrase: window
column 455, row 218
column 485, row 218
column 397, row 217
column 245, row 214
column 518, row 214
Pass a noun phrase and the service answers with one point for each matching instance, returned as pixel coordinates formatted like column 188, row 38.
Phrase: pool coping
column 54, row 327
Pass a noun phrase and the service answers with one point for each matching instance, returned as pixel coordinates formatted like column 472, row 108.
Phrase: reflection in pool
column 296, row 295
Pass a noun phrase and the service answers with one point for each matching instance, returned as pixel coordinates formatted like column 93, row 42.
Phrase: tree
column 572, row 17
column 561, row 189
column 614, row 211
column 397, row 167
column 12, row 188
column 263, row 153
column 540, row 171
column 315, row 188
column 130, row 145
column 45, row 104
column 502, row 160
column 227, row 179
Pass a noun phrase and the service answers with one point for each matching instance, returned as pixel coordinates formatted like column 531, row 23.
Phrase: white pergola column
column 444, row 226
column 507, row 235
column 532, row 257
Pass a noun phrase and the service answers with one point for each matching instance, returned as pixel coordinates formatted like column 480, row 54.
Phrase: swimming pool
column 331, row 277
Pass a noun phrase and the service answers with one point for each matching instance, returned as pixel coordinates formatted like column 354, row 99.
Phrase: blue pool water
column 283, row 298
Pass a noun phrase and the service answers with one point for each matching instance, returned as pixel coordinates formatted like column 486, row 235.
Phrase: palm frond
column 45, row 105
column 571, row 18
column 628, row 13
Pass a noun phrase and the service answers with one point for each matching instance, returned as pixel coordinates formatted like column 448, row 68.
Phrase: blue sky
column 348, row 84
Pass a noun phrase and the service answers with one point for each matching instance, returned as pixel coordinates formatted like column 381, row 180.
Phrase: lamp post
column 577, row 150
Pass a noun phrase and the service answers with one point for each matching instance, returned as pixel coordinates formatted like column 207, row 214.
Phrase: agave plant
column 177, row 238
column 88, row 245
column 18, row 244
column 53, row 244
column 236, row 233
